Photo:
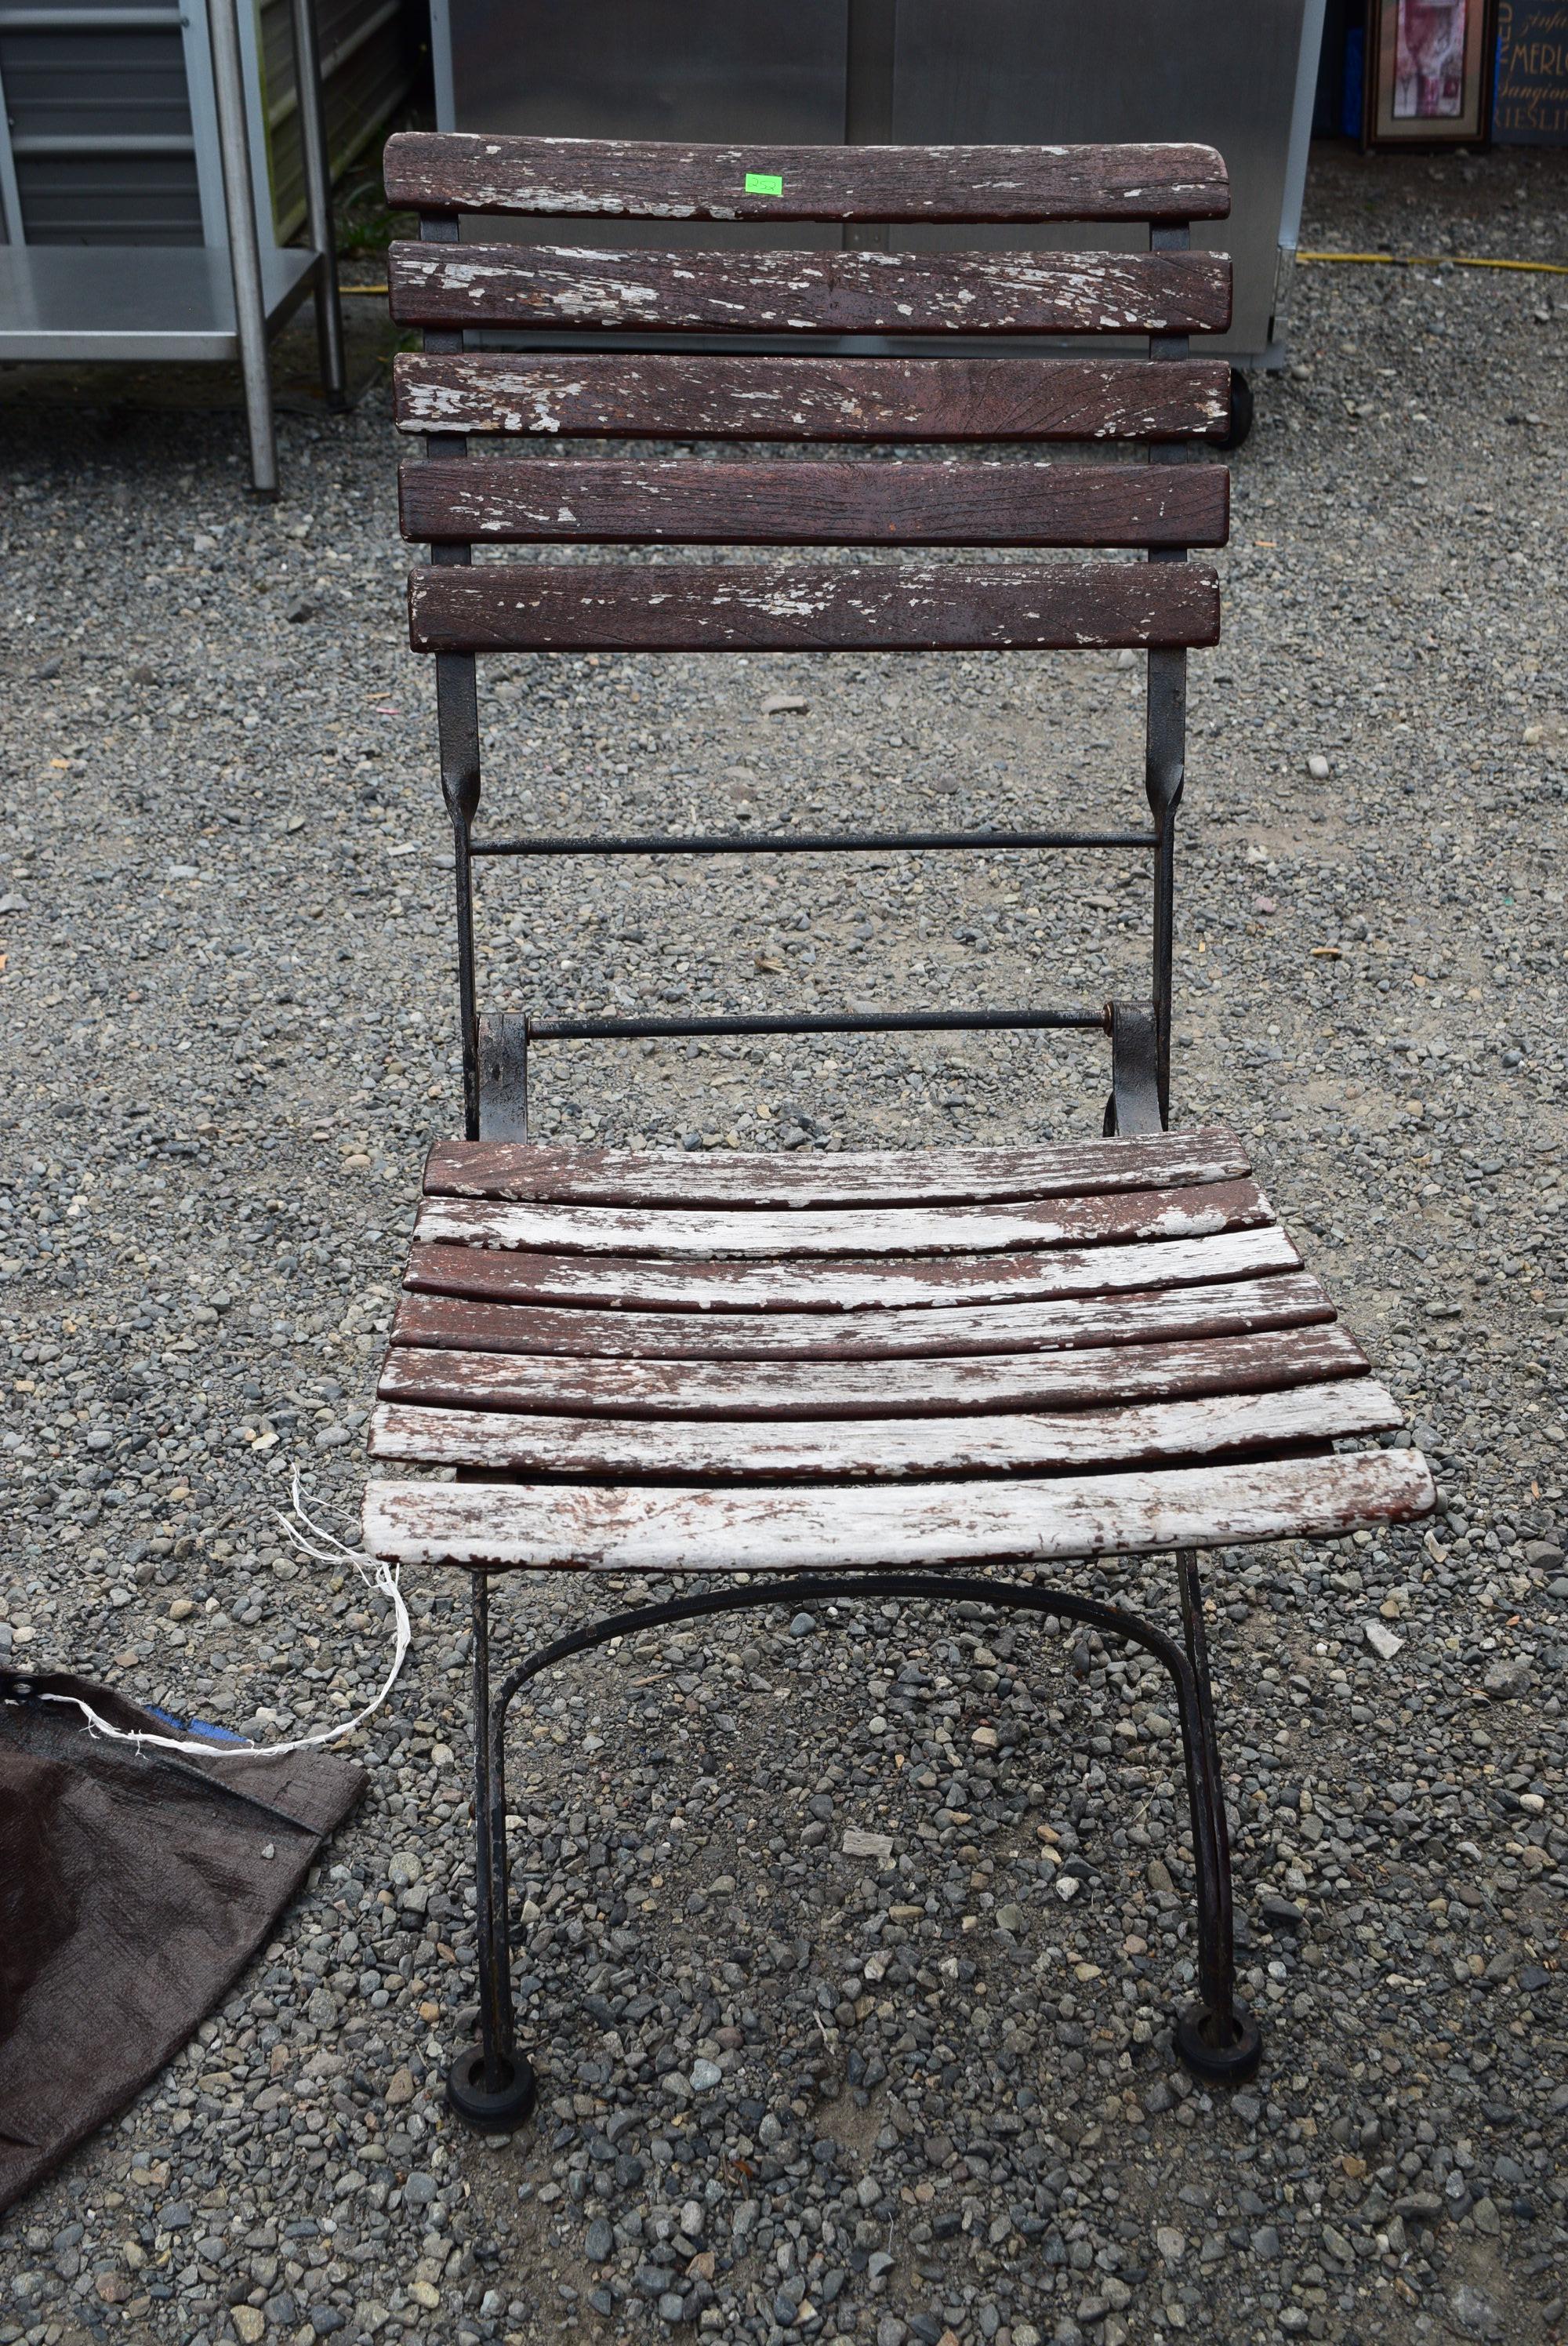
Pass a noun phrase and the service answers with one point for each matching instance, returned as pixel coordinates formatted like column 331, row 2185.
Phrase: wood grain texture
column 453, row 1324
column 763, row 500
column 621, row 179
column 694, row 291
column 670, row 395
column 782, row 1528
column 1145, row 1434
column 552, row 1173
column 718, row 1289
column 549, row 1384
column 1179, row 1213
column 732, row 606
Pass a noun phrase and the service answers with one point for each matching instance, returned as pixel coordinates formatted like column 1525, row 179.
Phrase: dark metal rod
column 467, row 986
column 812, row 842
column 490, row 1860
column 1166, row 762
column 457, row 725
column 1192, row 1694
column 800, row 1588
column 1211, row 1836
column 1164, row 776
column 904, row 1022
column 316, row 157
column 1163, row 958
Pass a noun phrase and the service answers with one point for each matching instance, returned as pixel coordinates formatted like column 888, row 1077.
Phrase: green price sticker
column 764, row 183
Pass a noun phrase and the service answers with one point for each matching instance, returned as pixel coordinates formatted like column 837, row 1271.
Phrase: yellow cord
column 1440, row 261
column 362, row 289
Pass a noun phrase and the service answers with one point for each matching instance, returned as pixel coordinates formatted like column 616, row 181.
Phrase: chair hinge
column 1134, row 1102
column 502, row 1076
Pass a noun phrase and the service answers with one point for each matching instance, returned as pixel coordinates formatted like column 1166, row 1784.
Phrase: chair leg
column 491, row 2086
column 1219, row 2040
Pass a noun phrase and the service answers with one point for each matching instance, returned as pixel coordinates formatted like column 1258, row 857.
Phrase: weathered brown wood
column 809, row 292
column 546, row 1384
column 644, row 1529
column 688, row 607
column 670, row 395
column 1145, row 1435
column 763, row 500
column 717, row 1290
column 553, row 1173
column 1178, row 1213
column 624, row 179
column 1242, row 1306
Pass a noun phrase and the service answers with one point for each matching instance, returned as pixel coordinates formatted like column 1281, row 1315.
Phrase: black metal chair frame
column 491, row 2084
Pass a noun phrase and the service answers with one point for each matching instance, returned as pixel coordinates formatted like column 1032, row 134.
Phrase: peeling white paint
column 613, row 177
column 863, row 291
column 675, row 1529
column 1141, row 1433
column 892, row 398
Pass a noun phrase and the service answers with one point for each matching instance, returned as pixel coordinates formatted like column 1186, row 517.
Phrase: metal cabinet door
column 681, row 69
column 695, row 69
column 1222, row 71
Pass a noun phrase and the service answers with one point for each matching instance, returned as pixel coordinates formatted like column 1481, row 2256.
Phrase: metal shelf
column 144, row 301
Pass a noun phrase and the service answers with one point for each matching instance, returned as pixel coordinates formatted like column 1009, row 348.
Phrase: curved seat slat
column 1235, row 1307
column 1145, row 1434
column 771, row 1528
column 869, row 1231
column 890, row 1388
column 717, row 1290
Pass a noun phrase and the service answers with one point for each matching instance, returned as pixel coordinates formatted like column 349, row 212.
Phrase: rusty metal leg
column 492, row 2085
column 1219, row 2040
column 489, row 2085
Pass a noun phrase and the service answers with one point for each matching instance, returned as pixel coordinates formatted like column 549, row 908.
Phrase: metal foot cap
column 488, row 2112
column 1223, row 2051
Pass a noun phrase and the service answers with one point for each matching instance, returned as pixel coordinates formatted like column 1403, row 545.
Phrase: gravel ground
column 925, row 2090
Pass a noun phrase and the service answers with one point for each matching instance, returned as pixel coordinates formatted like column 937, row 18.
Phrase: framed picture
column 1530, row 101
column 1428, row 61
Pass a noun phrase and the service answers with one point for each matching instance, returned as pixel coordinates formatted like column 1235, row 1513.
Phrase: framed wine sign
column 1428, row 66
column 1530, row 104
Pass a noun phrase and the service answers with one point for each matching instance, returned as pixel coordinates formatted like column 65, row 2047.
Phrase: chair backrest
column 831, row 394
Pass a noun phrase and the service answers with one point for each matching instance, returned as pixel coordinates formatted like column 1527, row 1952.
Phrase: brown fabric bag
column 134, row 1890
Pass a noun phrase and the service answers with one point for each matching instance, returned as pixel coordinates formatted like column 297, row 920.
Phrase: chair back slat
column 561, row 286
column 614, row 179
column 844, row 368
column 494, row 608
column 781, row 501
column 671, row 395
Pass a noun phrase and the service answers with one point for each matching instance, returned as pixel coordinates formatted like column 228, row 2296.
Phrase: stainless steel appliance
column 1238, row 75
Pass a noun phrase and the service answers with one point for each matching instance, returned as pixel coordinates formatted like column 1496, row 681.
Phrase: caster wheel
column 1221, row 2053
column 1241, row 411
column 489, row 2112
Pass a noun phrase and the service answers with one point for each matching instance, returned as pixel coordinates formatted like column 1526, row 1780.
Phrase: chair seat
column 663, row 1362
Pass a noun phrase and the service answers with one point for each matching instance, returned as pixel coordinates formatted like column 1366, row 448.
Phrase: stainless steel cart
column 142, row 147
column 1238, row 75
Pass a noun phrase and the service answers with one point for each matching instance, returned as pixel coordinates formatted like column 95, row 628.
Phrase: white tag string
column 324, row 1548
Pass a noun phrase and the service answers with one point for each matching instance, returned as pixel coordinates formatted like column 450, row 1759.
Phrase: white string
column 325, row 1549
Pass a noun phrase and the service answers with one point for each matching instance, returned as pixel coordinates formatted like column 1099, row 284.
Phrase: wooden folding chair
column 835, row 1376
